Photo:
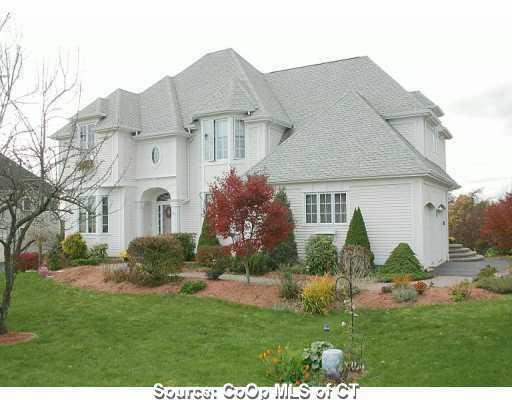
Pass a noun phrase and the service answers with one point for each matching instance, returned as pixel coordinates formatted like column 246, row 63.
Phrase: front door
column 164, row 219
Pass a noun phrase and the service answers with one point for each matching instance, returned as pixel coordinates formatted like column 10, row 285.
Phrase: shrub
column 74, row 246
column 27, row 261
column 85, row 261
column 420, row 287
column 282, row 367
column 403, row 280
column 496, row 284
column 289, row 288
column 154, row 258
column 191, row 287
column 99, row 251
column 320, row 255
column 402, row 260
column 259, row 263
column 358, row 258
column 215, row 259
column 207, row 237
column 55, row 257
column 312, row 355
column 286, row 251
column 386, row 289
column 116, row 273
column 492, row 252
column 485, row 272
column 188, row 244
column 357, row 234
column 461, row 291
column 405, row 294
column 318, row 294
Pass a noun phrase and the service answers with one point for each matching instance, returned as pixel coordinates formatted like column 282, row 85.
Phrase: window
column 326, row 208
column 239, row 139
column 215, row 139
column 87, row 216
column 221, row 139
column 87, row 136
column 311, row 209
column 435, row 140
column 104, row 214
column 155, row 155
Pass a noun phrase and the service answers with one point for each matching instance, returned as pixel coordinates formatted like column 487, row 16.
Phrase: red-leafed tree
column 245, row 211
column 498, row 223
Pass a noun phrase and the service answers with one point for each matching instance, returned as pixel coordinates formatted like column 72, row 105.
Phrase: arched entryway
column 155, row 212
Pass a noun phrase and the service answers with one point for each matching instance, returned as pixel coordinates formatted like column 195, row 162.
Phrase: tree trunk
column 6, row 295
column 247, row 273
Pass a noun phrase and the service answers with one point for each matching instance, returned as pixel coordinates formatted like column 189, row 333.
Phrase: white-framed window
column 215, row 139
column 435, row 140
column 87, row 216
column 326, row 208
column 239, row 139
column 104, row 214
column 155, row 155
column 87, row 135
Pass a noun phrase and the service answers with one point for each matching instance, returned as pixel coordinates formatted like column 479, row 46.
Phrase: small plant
column 486, row 272
column 116, row 273
column 55, row 257
column 420, row 287
column 289, row 288
column 318, row 294
column 74, row 246
column 386, row 289
column 496, row 284
column 402, row 261
column 312, row 355
column 85, row 261
column 492, row 252
column 403, row 280
column 405, row 295
column 321, row 256
column 283, row 367
column 191, row 287
column 461, row 291
column 124, row 255
column 99, row 251
column 216, row 259
column 259, row 263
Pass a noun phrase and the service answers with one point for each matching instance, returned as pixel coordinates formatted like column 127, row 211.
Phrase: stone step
column 455, row 245
column 476, row 257
column 464, row 255
column 460, row 250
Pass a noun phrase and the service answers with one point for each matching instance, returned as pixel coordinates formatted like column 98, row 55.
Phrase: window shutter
column 208, row 138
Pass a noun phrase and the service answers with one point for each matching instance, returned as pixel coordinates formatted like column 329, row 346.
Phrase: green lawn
column 96, row 339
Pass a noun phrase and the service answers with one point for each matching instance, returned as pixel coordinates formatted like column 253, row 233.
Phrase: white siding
column 387, row 207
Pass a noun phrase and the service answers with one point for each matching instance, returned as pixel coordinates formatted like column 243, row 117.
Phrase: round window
column 155, row 155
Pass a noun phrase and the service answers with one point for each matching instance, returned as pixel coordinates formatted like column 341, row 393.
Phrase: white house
column 335, row 135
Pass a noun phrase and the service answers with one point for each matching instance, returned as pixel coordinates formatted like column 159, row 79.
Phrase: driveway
column 471, row 268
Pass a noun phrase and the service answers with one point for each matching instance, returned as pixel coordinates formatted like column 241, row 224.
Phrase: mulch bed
column 17, row 337
column 266, row 296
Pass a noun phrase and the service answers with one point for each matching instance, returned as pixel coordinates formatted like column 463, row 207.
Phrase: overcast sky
column 458, row 55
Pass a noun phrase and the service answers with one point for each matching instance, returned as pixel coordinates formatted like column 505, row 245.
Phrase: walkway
column 470, row 269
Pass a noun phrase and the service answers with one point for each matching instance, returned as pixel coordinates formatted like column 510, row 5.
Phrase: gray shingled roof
column 334, row 111
column 347, row 140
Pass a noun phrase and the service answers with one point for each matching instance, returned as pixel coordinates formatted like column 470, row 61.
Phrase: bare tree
column 39, row 178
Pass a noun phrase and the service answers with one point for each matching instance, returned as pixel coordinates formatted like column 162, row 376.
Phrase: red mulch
column 91, row 277
column 17, row 337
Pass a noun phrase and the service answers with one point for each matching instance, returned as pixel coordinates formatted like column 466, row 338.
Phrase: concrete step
column 455, row 245
column 463, row 252
column 460, row 250
column 476, row 257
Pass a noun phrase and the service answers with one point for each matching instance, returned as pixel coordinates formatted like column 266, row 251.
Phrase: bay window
column 87, row 136
column 87, row 215
column 215, row 139
column 239, row 139
column 326, row 208
column 104, row 214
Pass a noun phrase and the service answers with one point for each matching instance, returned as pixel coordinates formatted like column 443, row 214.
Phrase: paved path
column 439, row 281
column 470, row 269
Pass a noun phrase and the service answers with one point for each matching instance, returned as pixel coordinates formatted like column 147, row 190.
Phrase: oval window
column 155, row 155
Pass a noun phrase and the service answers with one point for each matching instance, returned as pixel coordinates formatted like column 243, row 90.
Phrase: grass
column 89, row 338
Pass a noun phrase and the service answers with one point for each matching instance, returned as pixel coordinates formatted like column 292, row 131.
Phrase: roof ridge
column 316, row 64
column 173, row 98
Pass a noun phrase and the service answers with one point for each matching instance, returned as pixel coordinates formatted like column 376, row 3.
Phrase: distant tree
column 286, row 251
column 466, row 214
column 498, row 224
column 245, row 211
